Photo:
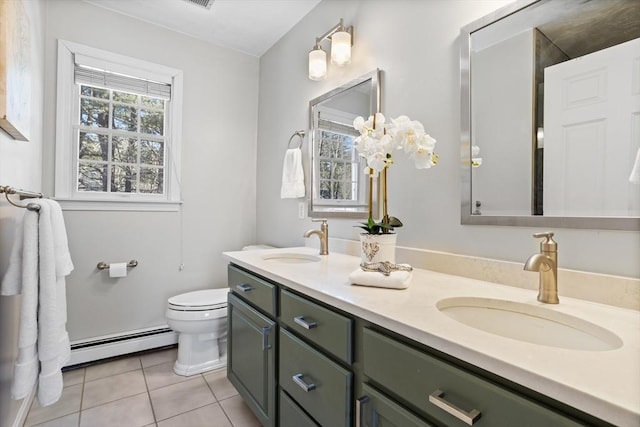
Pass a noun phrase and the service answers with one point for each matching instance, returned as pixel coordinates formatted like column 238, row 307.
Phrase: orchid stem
column 370, row 193
column 385, row 213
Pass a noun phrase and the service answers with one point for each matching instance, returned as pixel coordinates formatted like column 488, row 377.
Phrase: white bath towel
column 39, row 263
column 395, row 280
column 292, row 175
column 634, row 178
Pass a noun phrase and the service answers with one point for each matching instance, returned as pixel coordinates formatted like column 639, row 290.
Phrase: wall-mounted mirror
column 551, row 115
column 338, row 185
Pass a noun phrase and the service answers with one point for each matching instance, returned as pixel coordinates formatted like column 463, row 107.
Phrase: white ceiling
column 249, row 26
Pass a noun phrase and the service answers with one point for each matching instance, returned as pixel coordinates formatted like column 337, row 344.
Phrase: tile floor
column 141, row 390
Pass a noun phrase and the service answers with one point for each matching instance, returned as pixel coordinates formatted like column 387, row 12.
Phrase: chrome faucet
column 323, row 234
column 546, row 263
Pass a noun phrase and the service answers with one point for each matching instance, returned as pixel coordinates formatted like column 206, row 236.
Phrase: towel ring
column 298, row 133
column 23, row 194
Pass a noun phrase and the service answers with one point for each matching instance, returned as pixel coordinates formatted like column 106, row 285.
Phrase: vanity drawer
column 331, row 331
column 291, row 415
column 317, row 384
column 376, row 409
column 256, row 291
column 437, row 389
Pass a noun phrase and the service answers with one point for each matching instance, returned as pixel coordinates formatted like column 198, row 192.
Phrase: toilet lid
column 208, row 299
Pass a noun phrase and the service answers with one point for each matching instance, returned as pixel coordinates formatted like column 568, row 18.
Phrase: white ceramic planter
column 378, row 247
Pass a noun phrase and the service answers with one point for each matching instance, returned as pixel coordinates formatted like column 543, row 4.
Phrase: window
column 340, row 172
column 338, row 166
column 117, row 132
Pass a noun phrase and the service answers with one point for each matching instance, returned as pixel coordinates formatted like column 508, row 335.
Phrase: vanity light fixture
column 341, row 41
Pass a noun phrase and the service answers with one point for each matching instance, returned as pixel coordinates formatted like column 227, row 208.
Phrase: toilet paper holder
column 104, row 266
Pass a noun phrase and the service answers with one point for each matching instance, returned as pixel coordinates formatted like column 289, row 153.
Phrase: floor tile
column 69, row 403
column 73, row 377
column 111, row 368
column 66, row 421
column 222, row 388
column 112, row 388
column 134, row 411
column 158, row 357
column 162, row 375
column 207, row 416
column 239, row 413
column 179, row 398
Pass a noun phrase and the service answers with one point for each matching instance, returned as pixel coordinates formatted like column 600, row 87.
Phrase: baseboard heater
column 103, row 347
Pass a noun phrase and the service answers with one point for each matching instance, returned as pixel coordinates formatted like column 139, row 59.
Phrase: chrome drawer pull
column 265, row 337
column 359, row 410
column 243, row 287
column 307, row 325
column 303, row 385
column 467, row 417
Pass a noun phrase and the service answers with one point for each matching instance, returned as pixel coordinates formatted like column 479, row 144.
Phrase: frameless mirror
column 338, row 185
column 551, row 115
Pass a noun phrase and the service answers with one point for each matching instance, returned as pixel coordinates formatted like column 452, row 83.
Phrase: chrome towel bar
column 7, row 190
column 103, row 265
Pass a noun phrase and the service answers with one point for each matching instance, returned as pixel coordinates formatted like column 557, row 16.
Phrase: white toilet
column 200, row 319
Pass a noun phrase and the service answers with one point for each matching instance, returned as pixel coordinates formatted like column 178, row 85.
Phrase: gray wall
column 20, row 166
column 415, row 43
column 218, row 177
column 506, row 71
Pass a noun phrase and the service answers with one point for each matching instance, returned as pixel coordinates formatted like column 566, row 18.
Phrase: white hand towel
column 395, row 280
column 292, row 175
column 55, row 264
column 12, row 280
column 37, row 269
column 634, row 178
column 22, row 278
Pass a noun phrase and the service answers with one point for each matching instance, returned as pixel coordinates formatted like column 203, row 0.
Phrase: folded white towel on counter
column 395, row 279
column 292, row 175
column 38, row 266
column 634, row 178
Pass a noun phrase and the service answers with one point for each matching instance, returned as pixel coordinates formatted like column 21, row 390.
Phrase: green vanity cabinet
column 300, row 362
column 446, row 393
column 251, row 358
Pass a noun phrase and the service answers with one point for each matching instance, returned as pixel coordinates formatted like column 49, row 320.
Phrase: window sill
column 118, row 205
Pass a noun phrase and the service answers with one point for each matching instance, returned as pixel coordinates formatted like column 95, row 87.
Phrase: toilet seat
column 209, row 299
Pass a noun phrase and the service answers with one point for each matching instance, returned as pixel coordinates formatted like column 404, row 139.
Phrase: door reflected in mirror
column 338, row 184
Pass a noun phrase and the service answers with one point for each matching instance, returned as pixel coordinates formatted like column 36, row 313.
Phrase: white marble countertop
column 605, row 384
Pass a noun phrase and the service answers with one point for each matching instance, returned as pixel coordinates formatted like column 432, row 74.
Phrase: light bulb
column 317, row 64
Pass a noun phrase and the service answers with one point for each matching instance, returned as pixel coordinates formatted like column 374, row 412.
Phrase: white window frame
column 66, row 141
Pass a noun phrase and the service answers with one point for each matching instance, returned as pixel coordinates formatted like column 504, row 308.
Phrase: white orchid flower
column 377, row 161
column 407, row 133
column 358, row 124
column 377, row 143
column 367, row 145
column 423, row 159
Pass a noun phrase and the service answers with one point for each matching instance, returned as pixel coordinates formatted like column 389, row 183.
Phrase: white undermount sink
column 291, row 257
column 529, row 323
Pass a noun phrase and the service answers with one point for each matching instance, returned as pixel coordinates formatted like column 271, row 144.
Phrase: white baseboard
column 129, row 343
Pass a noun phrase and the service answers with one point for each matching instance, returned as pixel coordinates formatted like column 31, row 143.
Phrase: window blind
column 337, row 127
column 110, row 80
